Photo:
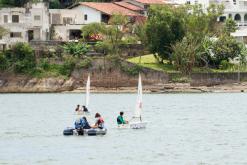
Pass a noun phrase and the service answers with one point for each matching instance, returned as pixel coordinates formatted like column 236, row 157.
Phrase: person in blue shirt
column 82, row 123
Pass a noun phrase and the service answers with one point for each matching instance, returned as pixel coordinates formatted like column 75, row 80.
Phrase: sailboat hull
column 138, row 125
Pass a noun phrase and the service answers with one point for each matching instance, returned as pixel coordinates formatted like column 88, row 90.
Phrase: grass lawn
column 149, row 61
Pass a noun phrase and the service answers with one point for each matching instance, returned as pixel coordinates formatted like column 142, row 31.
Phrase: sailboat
column 87, row 91
column 87, row 98
column 137, row 122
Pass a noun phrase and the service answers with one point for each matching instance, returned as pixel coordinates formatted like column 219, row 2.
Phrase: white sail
column 138, row 108
column 88, row 91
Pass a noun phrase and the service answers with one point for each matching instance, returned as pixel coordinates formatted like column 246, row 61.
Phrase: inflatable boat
column 88, row 132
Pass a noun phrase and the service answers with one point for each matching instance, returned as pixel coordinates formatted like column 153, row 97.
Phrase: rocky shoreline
column 56, row 85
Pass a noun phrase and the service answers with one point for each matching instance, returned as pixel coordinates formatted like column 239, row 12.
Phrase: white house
column 24, row 24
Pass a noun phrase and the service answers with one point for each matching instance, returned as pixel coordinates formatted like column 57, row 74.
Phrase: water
column 183, row 129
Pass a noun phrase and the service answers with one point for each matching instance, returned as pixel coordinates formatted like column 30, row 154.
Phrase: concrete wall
column 92, row 14
column 209, row 79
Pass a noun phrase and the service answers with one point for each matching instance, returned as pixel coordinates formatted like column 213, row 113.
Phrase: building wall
column 92, row 14
column 26, row 23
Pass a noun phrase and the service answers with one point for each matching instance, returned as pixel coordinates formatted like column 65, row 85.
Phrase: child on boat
column 120, row 119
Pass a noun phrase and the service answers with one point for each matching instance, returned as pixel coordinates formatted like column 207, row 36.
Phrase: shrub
column 86, row 63
column 44, row 64
column 76, row 49
column 131, row 70
column 68, row 66
column 22, row 58
column 224, row 64
column 4, row 64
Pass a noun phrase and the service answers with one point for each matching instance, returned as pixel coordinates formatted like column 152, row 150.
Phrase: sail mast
column 87, row 91
column 139, row 99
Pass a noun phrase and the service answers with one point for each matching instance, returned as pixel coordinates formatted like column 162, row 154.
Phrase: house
column 67, row 23
column 36, row 22
column 24, row 24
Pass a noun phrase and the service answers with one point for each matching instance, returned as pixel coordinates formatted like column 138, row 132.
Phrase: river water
column 183, row 129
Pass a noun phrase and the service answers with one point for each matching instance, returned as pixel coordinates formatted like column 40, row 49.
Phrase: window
column 15, row 18
column 5, row 18
column 56, row 19
column 37, row 17
column 15, row 34
column 85, row 17
column 237, row 17
column 67, row 20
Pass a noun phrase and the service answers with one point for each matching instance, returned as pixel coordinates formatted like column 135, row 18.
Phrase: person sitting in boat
column 77, row 108
column 99, row 121
column 84, row 108
column 82, row 123
column 120, row 119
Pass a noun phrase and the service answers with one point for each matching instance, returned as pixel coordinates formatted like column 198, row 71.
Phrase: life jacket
column 100, row 123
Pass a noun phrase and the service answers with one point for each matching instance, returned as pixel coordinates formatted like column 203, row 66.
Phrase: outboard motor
column 68, row 131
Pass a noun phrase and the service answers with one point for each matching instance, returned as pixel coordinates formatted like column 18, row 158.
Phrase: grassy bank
column 149, row 61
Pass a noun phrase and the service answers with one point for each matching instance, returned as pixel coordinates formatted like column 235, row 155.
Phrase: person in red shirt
column 99, row 121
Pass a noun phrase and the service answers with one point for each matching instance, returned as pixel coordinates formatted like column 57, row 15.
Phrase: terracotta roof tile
column 129, row 6
column 152, row 1
column 109, row 8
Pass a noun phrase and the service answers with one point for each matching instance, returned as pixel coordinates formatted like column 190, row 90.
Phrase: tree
column 230, row 26
column 201, row 23
column 225, row 48
column 22, row 57
column 165, row 26
column 76, row 49
column 184, row 55
column 112, row 33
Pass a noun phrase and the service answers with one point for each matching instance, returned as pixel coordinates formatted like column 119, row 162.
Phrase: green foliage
column 178, row 78
column 230, row 26
column 224, row 65
column 131, row 70
column 44, row 64
column 21, row 57
column 4, row 64
column 200, row 23
column 140, row 32
column 102, row 47
column 184, row 55
column 76, row 49
column 68, row 66
column 243, row 55
column 165, row 26
column 86, row 63
column 115, row 60
column 55, row 4
column 112, row 35
column 225, row 48
column 3, row 31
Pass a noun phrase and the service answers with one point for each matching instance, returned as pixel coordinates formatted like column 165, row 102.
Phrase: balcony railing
column 242, row 23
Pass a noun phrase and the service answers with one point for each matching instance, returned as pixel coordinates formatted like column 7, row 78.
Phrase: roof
column 109, row 8
column 129, row 6
column 151, row 1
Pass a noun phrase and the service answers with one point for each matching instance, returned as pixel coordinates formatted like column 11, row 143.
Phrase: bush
column 68, row 66
column 4, row 64
column 22, row 58
column 224, row 64
column 44, row 64
column 184, row 55
column 76, row 49
column 115, row 60
column 86, row 63
column 131, row 70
